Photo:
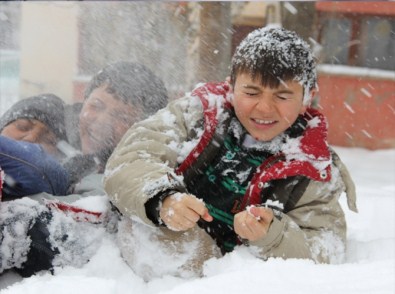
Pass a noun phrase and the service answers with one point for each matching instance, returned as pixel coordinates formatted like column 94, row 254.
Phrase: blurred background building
column 56, row 46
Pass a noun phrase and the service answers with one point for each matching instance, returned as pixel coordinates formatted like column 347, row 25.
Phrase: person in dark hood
column 38, row 119
column 29, row 169
column 29, row 133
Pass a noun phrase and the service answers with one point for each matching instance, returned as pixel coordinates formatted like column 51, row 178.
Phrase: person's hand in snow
column 253, row 223
column 181, row 212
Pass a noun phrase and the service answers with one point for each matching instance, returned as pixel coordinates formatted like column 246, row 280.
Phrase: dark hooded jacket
column 28, row 170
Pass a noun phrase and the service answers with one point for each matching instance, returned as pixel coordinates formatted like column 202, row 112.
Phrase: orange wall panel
column 360, row 111
column 360, row 7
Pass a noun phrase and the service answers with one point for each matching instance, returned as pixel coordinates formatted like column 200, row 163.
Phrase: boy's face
column 266, row 112
column 103, row 121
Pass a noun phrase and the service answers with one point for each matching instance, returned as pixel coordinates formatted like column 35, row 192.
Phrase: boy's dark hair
column 132, row 83
column 275, row 55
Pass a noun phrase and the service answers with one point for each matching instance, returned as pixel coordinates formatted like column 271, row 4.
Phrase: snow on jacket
column 29, row 170
column 165, row 151
column 75, row 224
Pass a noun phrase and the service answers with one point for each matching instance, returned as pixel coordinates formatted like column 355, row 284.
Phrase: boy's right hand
column 181, row 212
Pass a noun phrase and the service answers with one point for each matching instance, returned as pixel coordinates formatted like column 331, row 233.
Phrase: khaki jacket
column 143, row 165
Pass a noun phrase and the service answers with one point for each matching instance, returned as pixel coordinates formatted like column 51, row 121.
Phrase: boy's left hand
column 253, row 224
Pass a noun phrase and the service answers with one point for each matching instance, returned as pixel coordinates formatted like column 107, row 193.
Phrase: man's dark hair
column 132, row 83
column 274, row 55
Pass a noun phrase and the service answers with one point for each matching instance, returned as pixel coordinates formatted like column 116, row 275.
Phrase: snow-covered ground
column 370, row 265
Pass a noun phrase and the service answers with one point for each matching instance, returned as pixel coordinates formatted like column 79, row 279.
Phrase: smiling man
column 116, row 97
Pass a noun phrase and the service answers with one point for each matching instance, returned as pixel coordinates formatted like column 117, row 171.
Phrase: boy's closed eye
column 251, row 93
column 250, row 90
column 283, row 97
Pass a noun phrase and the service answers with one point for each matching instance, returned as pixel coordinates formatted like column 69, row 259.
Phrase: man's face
column 266, row 112
column 103, row 121
column 33, row 131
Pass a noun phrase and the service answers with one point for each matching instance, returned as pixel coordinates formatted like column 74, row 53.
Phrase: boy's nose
column 265, row 104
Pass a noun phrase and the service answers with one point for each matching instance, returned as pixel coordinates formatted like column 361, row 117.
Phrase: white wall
column 48, row 48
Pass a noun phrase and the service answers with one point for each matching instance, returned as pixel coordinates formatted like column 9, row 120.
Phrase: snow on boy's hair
column 132, row 83
column 275, row 55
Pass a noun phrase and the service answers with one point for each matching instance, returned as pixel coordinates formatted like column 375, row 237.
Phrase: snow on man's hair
column 275, row 55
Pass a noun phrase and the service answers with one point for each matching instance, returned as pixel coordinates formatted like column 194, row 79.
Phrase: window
column 378, row 50
column 335, row 40
column 364, row 41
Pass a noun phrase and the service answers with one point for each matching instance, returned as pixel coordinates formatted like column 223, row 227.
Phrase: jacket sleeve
column 316, row 227
column 142, row 165
column 29, row 169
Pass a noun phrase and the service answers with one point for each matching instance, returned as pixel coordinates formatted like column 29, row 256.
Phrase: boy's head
column 116, row 97
column 273, row 79
column 38, row 119
column 273, row 55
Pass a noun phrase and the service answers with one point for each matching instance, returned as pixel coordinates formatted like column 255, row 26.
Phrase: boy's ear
column 231, row 89
column 227, row 80
column 313, row 92
column 231, row 92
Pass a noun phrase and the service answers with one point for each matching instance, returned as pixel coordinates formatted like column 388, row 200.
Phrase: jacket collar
column 307, row 154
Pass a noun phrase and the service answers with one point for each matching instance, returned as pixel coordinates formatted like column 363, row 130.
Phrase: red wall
column 356, row 117
column 362, row 7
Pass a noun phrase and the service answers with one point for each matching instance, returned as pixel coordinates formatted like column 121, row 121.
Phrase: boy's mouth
column 263, row 122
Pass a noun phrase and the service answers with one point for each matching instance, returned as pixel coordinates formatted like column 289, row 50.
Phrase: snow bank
column 370, row 266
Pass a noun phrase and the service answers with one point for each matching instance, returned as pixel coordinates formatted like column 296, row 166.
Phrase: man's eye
column 96, row 104
column 251, row 93
column 93, row 107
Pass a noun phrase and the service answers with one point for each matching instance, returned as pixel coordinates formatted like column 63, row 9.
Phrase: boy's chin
column 263, row 137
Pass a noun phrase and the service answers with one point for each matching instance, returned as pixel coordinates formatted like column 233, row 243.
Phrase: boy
column 245, row 164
